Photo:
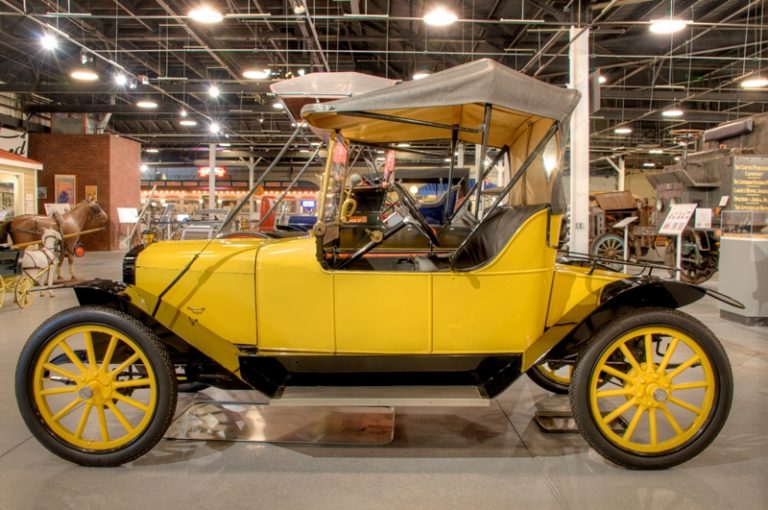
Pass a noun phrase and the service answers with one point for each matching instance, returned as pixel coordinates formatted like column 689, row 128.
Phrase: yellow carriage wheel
column 22, row 294
column 95, row 386
column 653, row 389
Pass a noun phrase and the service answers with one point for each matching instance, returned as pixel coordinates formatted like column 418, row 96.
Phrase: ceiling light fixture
column 121, row 79
column 206, row 14
column 622, row 131
column 225, row 145
column 188, row 122
column 214, row 91
column 649, row 165
column 601, row 79
column 754, row 82
column 256, row 74
column 672, row 113
column 152, row 150
column 655, row 151
column 144, row 167
column 183, row 112
column 147, row 104
column 84, row 74
column 668, row 25
column 420, row 75
column 440, row 17
column 49, row 41
column 214, row 128
column 277, row 105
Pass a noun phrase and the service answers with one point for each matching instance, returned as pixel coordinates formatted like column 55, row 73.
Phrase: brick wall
column 107, row 161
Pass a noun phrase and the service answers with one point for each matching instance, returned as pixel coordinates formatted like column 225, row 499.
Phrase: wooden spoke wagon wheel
column 22, row 292
column 2, row 291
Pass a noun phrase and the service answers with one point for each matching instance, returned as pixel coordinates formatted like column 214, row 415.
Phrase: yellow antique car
column 376, row 296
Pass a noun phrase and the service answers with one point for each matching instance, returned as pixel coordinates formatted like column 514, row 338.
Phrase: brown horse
column 29, row 227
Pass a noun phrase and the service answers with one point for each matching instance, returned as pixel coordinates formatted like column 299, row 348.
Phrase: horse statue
column 38, row 262
column 29, row 227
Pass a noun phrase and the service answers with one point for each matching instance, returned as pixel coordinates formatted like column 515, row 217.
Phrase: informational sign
column 723, row 201
column 677, row 219
column 750, row 184
column 703, row 218
column 626, row 221
column 127, row 214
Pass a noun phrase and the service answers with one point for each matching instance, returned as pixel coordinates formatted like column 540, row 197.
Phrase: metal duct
column 729, row 130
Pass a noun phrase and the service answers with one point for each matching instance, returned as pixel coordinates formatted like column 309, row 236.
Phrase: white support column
column 579, row 206
column 621, row 172
column 251, row 201
column 212, row 176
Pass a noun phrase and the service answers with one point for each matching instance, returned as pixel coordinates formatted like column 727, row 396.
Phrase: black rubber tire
column 602, row 340
column 541, row 380
column 148, row 342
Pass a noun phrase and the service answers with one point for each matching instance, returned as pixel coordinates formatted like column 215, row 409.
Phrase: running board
column 390, row 396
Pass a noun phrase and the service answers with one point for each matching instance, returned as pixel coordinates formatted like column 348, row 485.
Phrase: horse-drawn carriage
column 13, row 280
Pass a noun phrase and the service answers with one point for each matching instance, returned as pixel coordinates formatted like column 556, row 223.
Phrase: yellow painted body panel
column 295, row 299
column 276, row 295
column 213, row 305
column 382, row 312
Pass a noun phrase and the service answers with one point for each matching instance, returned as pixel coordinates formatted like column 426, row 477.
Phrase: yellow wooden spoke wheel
column 95, row 386
column 22, row 293
column 653, row 389
column 554, row 377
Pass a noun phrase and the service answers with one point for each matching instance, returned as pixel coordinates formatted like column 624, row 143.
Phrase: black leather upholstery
column 493, row 235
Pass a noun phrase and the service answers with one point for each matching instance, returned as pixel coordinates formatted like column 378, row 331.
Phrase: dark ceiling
column 697, row 68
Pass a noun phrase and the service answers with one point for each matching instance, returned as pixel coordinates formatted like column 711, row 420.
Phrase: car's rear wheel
column 95, row 386
column 653, row 389
column 551, row 376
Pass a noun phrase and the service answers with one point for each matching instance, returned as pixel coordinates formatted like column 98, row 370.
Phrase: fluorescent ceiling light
column 49, row 41
column 440, row 17
column 256, row 74
column 225, row 145
column 672, row 112
column 420, row 75
column 622, row 131
column 655, row 151
column 403, row 144
column 152, row 150
column 147, row 104
column 188, row 122
column 677, row 158
column 754, row 82
column 668, row 25
column 84, row 74
column 214, row 91
column 649, row 165
column 277, row 105
column 206, row 14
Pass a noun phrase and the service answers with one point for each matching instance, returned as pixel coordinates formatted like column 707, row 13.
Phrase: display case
column 744, row 265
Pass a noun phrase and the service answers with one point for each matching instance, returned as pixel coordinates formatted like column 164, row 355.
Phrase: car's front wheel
column 653, row 389
column 95, row 386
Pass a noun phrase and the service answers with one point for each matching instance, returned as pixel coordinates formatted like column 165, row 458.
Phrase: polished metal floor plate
column 255, row 422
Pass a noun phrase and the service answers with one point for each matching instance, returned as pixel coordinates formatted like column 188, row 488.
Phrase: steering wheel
column 413, row 210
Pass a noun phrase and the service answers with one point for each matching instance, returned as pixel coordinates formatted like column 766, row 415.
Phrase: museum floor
column 479, row 458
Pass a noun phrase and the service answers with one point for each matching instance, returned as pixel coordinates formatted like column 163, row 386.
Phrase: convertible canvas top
column 455, row 96
column 324, row 87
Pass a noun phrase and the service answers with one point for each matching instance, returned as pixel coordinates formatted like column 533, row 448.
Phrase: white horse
column 39, row 262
